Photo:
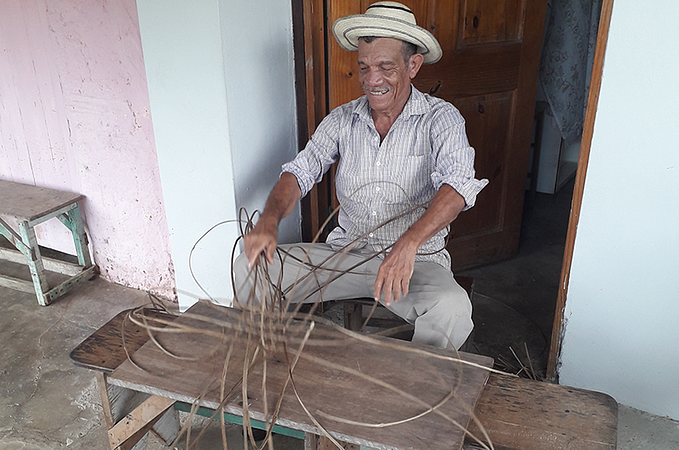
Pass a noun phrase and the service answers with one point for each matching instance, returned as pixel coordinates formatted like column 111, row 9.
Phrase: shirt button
column 379, row 163
column 374, row 213
column 371, row 235
column 377, row 189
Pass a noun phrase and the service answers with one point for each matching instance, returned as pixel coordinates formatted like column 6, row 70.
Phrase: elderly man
column 405, row 172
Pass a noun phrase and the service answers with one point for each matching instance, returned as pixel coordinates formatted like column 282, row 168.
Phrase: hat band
column 391, row 13
column 375, row 5
column 387, row 32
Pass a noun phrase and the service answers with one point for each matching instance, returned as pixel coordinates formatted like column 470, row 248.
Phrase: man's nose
column 373, row 77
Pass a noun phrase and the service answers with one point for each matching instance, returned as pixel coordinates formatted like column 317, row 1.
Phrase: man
column 405, row 172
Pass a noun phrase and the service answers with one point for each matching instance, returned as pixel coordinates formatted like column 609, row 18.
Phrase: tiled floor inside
column 48, row 403
column 515, row 299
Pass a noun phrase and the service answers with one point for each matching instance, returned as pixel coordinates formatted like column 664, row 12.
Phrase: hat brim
column 349, row 29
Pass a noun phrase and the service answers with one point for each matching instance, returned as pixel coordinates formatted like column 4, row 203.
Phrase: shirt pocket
column 408, row 180
column 417, row 169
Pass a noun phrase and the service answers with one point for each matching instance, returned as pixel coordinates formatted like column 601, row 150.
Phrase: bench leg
column 353, row 315
column 130, row 415
column 74, row 222
column 315, row 442
column 127, row 432
column 167, row 427
column 34, row 261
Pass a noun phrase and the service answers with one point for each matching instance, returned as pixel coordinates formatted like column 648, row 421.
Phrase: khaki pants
column 438, row 307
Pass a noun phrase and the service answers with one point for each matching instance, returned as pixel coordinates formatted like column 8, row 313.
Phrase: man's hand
column 393, row 276
column 263, row 238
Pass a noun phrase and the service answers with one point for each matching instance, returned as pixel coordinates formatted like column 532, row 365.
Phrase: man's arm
column 281, row 201
column 393, row 276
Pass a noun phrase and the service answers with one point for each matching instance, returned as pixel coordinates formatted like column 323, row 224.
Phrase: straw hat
column 386, row 19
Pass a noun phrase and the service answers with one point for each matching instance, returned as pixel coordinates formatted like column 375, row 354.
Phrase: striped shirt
column 383, row 188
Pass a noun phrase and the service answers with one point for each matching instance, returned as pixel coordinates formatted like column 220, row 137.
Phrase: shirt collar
column 416, row 105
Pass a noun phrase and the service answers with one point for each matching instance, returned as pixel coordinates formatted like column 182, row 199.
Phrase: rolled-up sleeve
column 454, row 157
column 320, row 153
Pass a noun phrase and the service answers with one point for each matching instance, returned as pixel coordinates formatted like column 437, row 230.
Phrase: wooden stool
column 353, row 314
column 30, row 206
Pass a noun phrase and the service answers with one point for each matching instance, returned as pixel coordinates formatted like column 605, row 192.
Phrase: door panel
column 477, row 234
column 484, row 116
column 486, row 21
column 489, row 70
column 473, row 71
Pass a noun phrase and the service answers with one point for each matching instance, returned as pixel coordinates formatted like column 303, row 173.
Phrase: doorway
column 523, row 335
column 515, row 305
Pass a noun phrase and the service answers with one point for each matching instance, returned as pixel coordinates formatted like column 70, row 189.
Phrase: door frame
column 310, row 47
column 578, row 190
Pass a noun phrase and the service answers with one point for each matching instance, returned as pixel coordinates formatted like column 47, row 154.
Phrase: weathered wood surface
column 106, row 349
column 531, row 415
column 27, row 202
column 517, row 413
column 50, row 264
column 326, row 390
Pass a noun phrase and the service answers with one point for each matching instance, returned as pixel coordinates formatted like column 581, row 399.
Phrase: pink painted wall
column 74, row 115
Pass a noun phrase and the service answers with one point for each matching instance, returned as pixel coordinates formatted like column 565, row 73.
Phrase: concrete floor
column 46, row 402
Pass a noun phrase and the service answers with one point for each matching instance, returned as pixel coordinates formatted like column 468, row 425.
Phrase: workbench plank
column 531, row 415
column 517, row 413
column 324, row 389
column 28, row 202
column 104, row 350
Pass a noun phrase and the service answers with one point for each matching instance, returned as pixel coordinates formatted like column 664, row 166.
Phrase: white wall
column 622, row 309
column 259, row 67
column 220, row 76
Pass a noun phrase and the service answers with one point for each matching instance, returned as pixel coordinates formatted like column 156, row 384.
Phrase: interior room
column 172, row 120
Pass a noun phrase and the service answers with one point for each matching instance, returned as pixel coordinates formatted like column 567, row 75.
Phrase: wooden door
column 489, row 71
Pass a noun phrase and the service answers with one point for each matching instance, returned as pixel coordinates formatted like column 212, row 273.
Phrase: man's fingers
column 252, row 258
column 391, row 288
column 386, row 291
column 384, row 286
column 266, row 251
column 405, row 284
column 269, row 251
column 256, row 246
column 378, row 288
column 396, row 291
column 383, row 289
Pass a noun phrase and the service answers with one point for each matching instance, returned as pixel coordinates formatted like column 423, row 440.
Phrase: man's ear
column 414, row 64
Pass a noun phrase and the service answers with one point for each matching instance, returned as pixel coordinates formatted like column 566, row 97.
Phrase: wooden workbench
column 517, row 413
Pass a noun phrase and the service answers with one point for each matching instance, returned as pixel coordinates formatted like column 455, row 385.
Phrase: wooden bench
column 29, row 206
column 517, row 413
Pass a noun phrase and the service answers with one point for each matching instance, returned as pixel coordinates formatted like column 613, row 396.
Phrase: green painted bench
column 29, row 206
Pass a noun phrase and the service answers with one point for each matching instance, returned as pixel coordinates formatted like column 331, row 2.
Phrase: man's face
column 384, row 75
